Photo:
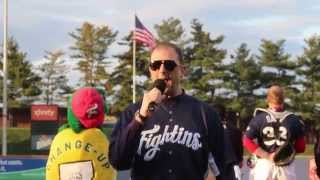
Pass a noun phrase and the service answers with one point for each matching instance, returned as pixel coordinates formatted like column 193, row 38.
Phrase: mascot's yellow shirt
column 79, row 156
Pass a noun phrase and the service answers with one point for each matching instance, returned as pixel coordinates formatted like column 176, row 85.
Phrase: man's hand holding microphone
column 150, row 100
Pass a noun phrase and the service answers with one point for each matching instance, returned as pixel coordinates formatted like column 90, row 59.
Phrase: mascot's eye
column 92, row 111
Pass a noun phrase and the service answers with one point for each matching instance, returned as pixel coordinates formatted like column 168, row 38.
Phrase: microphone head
column 160, row 84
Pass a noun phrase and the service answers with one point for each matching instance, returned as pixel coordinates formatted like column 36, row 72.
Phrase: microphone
column 160, row 84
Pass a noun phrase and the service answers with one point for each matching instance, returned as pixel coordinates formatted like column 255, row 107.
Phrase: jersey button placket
column 170, row 152
column 170, row 116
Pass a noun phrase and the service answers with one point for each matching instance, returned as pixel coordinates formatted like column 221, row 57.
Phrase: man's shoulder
column 197, row 103
column 259, row 118
column 187, row 97
column 133, row 106
column 260, row 112
column 193, row 99
column 295, row 118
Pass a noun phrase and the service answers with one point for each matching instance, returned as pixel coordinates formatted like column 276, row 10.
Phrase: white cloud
column 286, row 27
column 265, row 4
column 264, row 22
column 280, row 21
column 44, row 25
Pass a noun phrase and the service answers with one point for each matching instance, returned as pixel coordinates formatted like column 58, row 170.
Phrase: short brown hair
column 169, row 45
column 275, row 95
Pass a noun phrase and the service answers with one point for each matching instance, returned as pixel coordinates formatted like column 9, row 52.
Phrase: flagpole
column 4, row 98
column 134, row 64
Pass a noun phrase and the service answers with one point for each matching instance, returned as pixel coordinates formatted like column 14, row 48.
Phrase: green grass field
column 19, row 141
column 34, row 174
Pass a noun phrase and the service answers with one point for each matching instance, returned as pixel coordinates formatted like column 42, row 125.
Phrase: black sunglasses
column 168, row 65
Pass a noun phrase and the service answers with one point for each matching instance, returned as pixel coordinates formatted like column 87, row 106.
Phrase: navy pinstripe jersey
column 271, row 134
column 173, row 143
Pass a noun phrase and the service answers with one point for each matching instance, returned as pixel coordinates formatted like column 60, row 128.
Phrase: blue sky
column 40, row 25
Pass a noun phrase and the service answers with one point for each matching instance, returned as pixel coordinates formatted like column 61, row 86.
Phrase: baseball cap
column 88, row 106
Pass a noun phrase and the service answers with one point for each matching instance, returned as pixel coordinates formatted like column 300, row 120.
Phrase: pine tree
column 23, row 83
column 307, row 101
column 205, row 61
column 54, row 80
column 90, row 48
column 243, row 80
column 277, row 68
column 171, row 30
column 121, row 77
column 276, row 64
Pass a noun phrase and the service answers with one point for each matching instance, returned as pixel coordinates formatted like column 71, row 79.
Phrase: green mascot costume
column 80, row 149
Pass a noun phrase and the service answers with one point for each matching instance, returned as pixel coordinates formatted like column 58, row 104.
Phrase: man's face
column 166, row 65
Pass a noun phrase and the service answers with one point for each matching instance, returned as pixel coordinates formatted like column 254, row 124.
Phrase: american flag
column 143, row 35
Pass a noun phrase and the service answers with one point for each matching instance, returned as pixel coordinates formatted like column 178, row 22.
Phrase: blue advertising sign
column 14, row 163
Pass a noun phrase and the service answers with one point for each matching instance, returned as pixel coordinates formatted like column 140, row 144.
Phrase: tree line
column 236, row 78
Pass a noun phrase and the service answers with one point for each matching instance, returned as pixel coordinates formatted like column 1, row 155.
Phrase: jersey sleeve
column 124, row 140
column 216, row 137
column 253, row 128
column 298, row 130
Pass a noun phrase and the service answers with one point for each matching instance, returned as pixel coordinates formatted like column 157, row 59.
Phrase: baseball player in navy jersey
column 171, row 140
column 269, row 130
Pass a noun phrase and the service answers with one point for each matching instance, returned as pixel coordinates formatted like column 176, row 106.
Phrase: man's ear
column 184, row 70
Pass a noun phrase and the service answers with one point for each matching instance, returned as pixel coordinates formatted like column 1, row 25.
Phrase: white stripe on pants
column 267, row 170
